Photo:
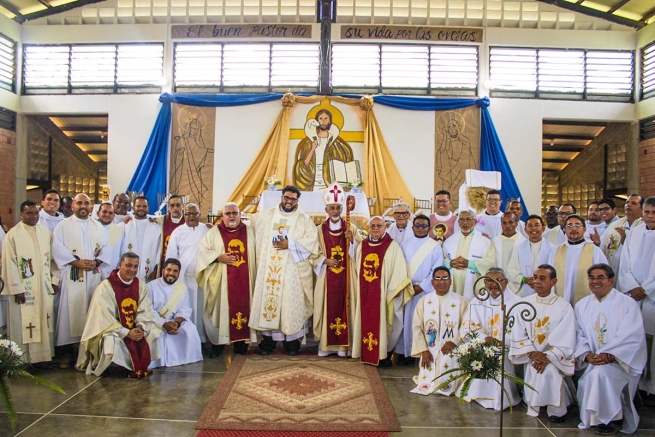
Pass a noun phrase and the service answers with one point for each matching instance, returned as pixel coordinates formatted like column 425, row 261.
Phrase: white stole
column 150, row 251
column 426, row 248
column 174, row 300
column 524, row 250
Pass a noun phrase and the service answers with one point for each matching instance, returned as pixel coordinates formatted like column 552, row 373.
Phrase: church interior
column 85, row 87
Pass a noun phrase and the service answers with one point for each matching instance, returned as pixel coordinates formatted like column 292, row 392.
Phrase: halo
column 445, row 117
column 187, row 112
column 337, row 116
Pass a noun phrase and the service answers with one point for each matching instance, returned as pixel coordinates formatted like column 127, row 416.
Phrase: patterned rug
column 304, row 393
column 231, row 433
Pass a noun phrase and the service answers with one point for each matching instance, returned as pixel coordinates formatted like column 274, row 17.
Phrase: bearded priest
column 120, row 327
column 335, row 278
column 382, row 290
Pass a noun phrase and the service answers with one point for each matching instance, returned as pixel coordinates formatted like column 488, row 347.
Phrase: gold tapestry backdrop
column 192, row 154
column 457, row 148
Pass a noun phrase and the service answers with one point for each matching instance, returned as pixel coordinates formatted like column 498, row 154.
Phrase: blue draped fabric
column 150, row 175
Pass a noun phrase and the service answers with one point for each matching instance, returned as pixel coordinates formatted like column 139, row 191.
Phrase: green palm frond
column 517, row 380
column 465, row 389
column 505, row 394
column 42, row 381
column 5, row 394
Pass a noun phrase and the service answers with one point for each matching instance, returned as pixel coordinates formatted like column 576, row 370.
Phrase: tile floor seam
column 548, row 429
column 46, row 414
column 122, row 417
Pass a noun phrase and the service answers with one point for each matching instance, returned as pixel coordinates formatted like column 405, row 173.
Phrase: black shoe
column 240, row 347
column 385, row 363
column 293, row 353
column 114, row 371
column 267, row 345
column 217, row 351
column 292, row 347
column 606, row 429
column 264, row 352
column 44, row 365
column 557, row 419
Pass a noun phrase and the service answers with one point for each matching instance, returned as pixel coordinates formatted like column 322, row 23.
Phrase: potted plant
column 272, row 182
column 356, row 185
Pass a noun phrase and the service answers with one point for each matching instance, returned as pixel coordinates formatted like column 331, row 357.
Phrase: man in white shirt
column 121, row 206
column 527, row 255
column 593, row 219
column 143, row 237
column 514, row 206
column 49, row 216
column 488, row 221
column 505, row 242
column 399, row 230
column 556, row 235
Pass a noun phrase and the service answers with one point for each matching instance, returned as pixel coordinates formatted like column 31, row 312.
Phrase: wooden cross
column 239, row 321
column 30, row 327
column 336, row 191
column 338, row 327
column 370, row 341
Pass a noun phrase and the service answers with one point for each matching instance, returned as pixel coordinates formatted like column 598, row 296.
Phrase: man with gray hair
column 398, row 229
column 183, row 245
column 226, row 270
column 173, row 218
column 637, row 279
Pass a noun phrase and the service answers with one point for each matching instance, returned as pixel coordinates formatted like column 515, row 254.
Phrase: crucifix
column 30, row 327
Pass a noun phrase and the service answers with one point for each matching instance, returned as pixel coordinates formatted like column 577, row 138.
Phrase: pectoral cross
column 370, row 341
column 30, row 327
column 337, row 326
column 239, row 321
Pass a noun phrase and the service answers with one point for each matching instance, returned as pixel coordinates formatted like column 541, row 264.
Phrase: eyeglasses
column 604, row 209
column 375, row 226
column 465, row 219
column 564, row 213
column 231, row 213
column 192, row 213
column 401, row 213
column 290, row 199
column 442, row 201
column 441, row 278
column 492, row 200
column 574, row 225
column 421, row 226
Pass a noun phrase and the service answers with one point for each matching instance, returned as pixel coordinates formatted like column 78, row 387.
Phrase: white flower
column 5, row 343
column 476, row 365
column 477, row 341
column 488, row 351
column 463, row 349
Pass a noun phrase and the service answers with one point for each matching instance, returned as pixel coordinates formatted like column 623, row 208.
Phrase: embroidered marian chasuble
column 437, row 320
column 393, row 279
column 481, row 254
column 221, row 293
column 335, row 288
column 26, row 268
column 76, row 239
column 284, row 289
column 571, row 262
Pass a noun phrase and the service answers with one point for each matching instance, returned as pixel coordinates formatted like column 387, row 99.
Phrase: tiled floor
column 169, row 402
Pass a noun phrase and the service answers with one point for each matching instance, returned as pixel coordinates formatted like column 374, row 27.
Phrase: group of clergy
column 139, row 292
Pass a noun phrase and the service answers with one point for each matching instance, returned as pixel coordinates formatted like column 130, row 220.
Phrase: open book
column 344, row 172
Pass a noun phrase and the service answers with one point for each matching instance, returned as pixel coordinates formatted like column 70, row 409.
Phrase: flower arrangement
column 272, row 180
column 12, row 368
column 357, row 183
column 478, row 359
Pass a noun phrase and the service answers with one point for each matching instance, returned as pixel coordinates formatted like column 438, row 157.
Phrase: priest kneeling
column 120, row 327
column 611, row 348
column 180, row 342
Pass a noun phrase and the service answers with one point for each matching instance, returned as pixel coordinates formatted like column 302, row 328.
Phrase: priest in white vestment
column 423, row 255
column 143, row 237
column 179, row 342
column 488, row 221
column 49, row 216
column 173, row 219
column 637, row 278
column 527, row 255
column 121, row 327
column 613, row 239
column 334, row 293
column 400, row 230
column 121, row 205
column 467, row 254
column 226, row 269
column 556, row 235
column 486, row 319
column 571, row 260
column 436, row 327
column 283, row 299
column 382, row 290
column 80, row 247
column 546, row 345
column 514, row 206
column 611, row 348
column 183, row 246
column 114, row 234
column 27, row 272
column 505, row 242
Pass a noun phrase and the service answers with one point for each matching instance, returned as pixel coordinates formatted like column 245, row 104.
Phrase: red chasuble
column 238, row 280
column 167, row 230
column 127, row 298
column 371, row 292
column 337, row 286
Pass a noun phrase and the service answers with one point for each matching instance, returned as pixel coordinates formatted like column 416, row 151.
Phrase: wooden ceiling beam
column 568, row 137
column 556, row 160
column 577, row 7
column 572, row 149
column 618, row 6
column 575, row 123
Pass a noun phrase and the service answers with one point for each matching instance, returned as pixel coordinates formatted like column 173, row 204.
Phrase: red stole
column 371, row 291
column 167, row 230
column 127, row 299
column 337, row 286
column 238, row 280
column 448, row 224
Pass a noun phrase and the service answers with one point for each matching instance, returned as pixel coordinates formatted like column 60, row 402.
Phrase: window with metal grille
column 574, row 74
column 648, row 71
column 7, row 63
column 252, row 67
column 93, row 68
column 405, row 69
